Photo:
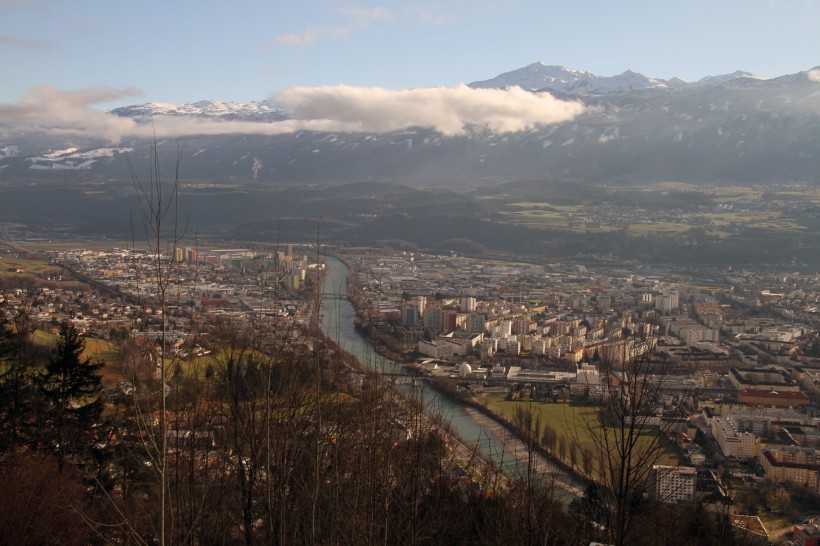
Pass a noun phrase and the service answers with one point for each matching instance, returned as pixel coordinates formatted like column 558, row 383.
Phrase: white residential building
column 667, row 302
column 673, row 484
column 468, row 304
column 439, row 348
column 742, row 445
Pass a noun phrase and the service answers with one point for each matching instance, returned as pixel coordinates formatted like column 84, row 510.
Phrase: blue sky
column 182, row 51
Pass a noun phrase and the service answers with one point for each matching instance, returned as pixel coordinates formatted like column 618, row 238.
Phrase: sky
column 96, row 55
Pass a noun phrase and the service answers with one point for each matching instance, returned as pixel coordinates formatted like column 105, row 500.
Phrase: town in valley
column 733, row 354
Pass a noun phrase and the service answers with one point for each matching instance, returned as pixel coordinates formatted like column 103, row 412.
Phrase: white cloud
column 4, row 4
column 451, row 111
column 311, row 36
column 61, row 111
column 364, row 16
column 360, row 18
column 814, row 75
column 428, row 16
column 23, row 43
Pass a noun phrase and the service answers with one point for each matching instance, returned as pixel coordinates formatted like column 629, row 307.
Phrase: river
column 474, row 427
column 337, row 323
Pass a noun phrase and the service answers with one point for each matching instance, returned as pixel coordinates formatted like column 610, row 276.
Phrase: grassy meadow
column 577, row 424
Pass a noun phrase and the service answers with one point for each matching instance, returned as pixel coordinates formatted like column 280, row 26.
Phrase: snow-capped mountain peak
column 565, row 80
column 559, row 79
column 723, row 78
column 254, row 110
column 538, row 76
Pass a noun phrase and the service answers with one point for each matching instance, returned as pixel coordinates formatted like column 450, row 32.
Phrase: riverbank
column 460, row 430
column 501, row 427
column 486, row 423
column 385, row 345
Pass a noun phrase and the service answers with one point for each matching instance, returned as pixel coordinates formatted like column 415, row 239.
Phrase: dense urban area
column 636, row 391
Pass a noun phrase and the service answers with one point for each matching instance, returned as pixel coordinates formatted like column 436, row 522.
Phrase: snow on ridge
column 539, row 76
column 206, row 108
column 72, row 159
column 570, row 81
column 101, row 152
column 724, row 78
column 9, row 151
column 58, row 153
column 161, row 105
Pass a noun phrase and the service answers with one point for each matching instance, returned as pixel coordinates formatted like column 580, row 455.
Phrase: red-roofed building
column 792, row 464
column 777, row 399
column 806, row 535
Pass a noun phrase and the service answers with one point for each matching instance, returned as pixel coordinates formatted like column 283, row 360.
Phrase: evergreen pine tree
column 71, row 390
column 6, row 338
column 16, row 380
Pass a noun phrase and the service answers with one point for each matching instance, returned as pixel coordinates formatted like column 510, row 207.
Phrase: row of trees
column 614, row 447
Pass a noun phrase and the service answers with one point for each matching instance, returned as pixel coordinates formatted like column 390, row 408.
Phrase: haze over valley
column 541, row 162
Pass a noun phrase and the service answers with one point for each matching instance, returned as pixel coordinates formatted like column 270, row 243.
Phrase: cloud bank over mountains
column 732, row 127
column 341, row 108
column 55, row 111
column 450, row 111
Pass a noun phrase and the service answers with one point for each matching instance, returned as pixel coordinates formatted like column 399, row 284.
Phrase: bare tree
column 573, row 454
column 159, row 207
column 627, row 439
column 42, row 503
column 529, row 423
column 586, row 461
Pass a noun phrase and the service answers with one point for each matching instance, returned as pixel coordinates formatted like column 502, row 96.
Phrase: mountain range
column 729, row 128
column 560, row 79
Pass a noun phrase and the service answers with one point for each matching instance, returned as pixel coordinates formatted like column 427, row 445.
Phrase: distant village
column 119, row 295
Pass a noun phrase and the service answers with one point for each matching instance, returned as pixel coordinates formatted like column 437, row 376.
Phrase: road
column 15, row 247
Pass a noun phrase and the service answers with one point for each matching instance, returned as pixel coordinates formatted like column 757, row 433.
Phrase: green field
column 195, row 366
column 666, row 228
column 97, row 349
column 548, row 207
column 543, row 215
column 34, row 267
column 545, row 219
column 94, row 348
column 104, row 244
column 34, row 274
column 578, row 424
column 744, row 214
